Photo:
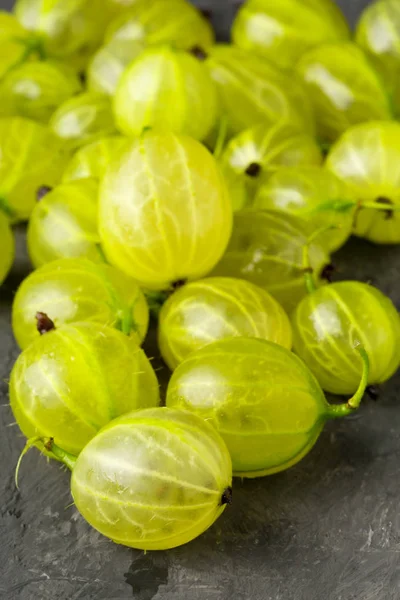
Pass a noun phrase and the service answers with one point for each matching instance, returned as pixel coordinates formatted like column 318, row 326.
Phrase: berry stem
column 48, row 443
column 221, row 138
column 348, row 408
column 307, row 268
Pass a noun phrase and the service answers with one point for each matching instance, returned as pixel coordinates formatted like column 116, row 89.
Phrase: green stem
column 348, row 408
column 221, row 138
column 380, row 206
column 101, row 253
column 48, row 444
column 307, row 268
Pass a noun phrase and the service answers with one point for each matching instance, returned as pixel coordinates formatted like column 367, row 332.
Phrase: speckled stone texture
column 327, row 529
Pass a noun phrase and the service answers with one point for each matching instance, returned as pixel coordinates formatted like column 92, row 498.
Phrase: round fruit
column 314, row 194
column 7, row 247
column 169, row 90
column 92, row 160
column 30, row 157
column 343, row 87
column 252, row 156
column 266, row 248
column 64, row 224
column 282, row 31
column 152, row 480
column 216, row 308
column 10, row 28
column 176, row 22
column 71, row 290
column 35, row 89
column 378, row 33
column 109, row 63
column 331, row 322
column 165, row 213
column 252, row 91
column 261, row 398
column 367, row 159
column 72, row 381
column 83, row 119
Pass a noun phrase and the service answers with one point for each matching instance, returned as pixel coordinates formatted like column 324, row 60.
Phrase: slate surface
column 328, row 529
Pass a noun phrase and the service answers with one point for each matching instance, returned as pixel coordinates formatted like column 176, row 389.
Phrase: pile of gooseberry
column 201, row 187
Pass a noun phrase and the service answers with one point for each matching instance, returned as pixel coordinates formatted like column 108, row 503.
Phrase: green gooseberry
column 314, row 194
column 64, row 224
column 266, row 248
column 71, row 290
column 108, row 64
column 92, row 160
column 253, row 91
column 31, row 157
column 367, row 159
column 378, row 33
column 152, row 479
column 331, row 323
column 215, row 308
column 177, row 23
column 72, row 381
column 35, row 89
column 282, row 31
column 7, row 247
column 165, row 214
column 343, row 87
column 169, row 90
column 251, row 157
column 10, row 28
column 83, row 119
column 262, row 399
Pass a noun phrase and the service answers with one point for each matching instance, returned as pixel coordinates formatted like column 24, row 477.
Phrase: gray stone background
column 327, row 529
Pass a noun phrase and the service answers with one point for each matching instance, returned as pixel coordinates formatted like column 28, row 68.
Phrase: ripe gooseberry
column 35, row 89
column 71, row 290
column 83, row 119
column 215, row 308
column 282, row 31
column 169, row 90
column 153, row 479
column 371, row 182
column 262, row 399
column 266, row 248
column 331, row 323
column 252, row 91
column 7, row 247
column 92, row 160
column 63, row 224
column 108, row 64
column 251, row 157
column 165, row 213
column 72, row 381
column 343, row 88
column 177, row 23
column 31, row 157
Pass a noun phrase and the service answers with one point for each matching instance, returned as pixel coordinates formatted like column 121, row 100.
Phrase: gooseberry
column 343, row 87
column 169, row 90
column 165, row 214
column 282, row 31
column 72, row 381
column 83, row 119
column 367, row 159
column 215, row 308
column 64, row 224
column 251, row 157
column 30, row 157
column 7, row 247
column 253, row 91
column 35, row 89
column 266, row 248
column 153, row 479
column 71, row 290
column 91, row 160
column 262, row 399
column 314, row 194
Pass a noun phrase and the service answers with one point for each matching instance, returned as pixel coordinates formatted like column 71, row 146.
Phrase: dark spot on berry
column 43, row 323
column 388, row 213
column 82, row 77
column 42, row 192
column 327, row 272
column 199, row 53
column 227, row 496
column 253, row 170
